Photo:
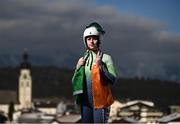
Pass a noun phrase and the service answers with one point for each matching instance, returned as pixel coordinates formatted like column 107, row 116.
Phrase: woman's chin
column 93, row 49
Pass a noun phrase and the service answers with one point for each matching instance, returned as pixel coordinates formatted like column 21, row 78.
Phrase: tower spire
column 25, row 55
column 25, row 63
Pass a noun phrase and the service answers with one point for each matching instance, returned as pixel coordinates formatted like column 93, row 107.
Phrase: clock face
column 25, row 76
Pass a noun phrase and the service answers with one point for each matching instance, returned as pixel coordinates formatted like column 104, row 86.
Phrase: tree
column 11, row 111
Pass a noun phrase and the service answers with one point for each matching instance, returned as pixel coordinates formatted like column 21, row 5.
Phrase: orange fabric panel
column 102, row 96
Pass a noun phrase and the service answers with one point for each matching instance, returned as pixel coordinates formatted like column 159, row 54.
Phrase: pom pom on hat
column 97, row 26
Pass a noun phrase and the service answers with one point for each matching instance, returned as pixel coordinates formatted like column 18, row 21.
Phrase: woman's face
column 92, row 42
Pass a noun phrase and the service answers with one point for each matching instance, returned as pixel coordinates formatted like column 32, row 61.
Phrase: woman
column 99, row 75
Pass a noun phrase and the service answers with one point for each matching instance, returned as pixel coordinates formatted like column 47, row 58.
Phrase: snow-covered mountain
column 58, row 60
column 64, row 60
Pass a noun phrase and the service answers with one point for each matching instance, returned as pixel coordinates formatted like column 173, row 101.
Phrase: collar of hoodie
column 90, row 57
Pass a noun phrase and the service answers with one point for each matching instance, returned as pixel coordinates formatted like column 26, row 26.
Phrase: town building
column 138, row 111
column 173, row 118
column 24, row 107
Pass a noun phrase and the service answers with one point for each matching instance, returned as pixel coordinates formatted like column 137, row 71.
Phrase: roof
column 171, row 117
column 8, row 96
column 47, row 104
column 30, row 110
column 35, row 117
column 25, row 64
column 147, row 103
column 68, row 118
column 117, row 103
column 175, row 107
column 3, row 118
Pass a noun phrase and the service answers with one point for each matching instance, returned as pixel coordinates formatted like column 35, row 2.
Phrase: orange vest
column 101, row 91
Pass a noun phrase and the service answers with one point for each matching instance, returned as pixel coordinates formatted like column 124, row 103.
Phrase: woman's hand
column 98, row 58
column 81, row 62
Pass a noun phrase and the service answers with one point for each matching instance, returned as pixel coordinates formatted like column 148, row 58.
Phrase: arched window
column 25, row 76
column 28, row 84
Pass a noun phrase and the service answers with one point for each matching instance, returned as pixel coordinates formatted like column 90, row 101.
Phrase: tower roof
column 25, row 64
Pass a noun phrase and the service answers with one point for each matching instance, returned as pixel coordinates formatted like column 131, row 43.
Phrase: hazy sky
column 143, row 36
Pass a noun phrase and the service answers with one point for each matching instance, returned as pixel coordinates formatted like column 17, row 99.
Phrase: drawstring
column 91, row 60
column 86, row 56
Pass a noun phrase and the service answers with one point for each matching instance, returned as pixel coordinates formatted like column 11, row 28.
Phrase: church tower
column 25, row 83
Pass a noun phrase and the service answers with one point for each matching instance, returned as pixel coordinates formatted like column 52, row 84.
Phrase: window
column 25, row 76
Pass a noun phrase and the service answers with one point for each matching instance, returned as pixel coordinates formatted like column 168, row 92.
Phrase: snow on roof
column 69, row 118
column 169, row 117
column 148, row 103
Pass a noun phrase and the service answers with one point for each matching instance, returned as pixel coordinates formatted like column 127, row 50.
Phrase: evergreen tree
column 11, row 111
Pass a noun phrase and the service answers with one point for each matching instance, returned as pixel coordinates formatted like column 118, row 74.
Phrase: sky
column 162, row 10
column 142, row 36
